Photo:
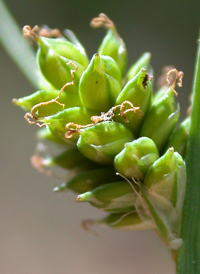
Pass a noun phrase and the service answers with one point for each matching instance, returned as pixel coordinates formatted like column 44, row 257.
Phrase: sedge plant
column 122, row 144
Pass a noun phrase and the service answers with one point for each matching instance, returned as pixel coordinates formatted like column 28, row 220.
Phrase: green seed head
column 103, row 125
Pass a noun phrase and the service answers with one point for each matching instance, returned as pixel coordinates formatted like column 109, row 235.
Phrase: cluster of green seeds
column 118, row 139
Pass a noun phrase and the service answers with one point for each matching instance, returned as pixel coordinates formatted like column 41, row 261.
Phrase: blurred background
column 40, row 230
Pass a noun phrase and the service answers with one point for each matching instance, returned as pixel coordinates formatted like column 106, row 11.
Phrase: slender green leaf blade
column 189, row 254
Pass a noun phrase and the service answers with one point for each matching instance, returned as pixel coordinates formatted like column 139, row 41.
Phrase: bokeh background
column 40, row 231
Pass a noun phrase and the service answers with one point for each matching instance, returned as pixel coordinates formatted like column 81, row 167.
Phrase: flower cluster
column 118, row 138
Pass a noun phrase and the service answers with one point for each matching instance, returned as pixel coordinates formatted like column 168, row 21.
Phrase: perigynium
column 118, row 138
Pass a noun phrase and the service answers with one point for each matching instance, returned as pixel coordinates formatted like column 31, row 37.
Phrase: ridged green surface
column 188, row 261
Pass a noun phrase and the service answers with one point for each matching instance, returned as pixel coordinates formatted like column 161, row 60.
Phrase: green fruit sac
column 131, row 221
column 114, row 197
column 159, row 93
column 47, row 96
column 68, row 159
column 73, row 39
column 103, row 141
column 100, row 83
column 44, row 134
column 113, row 46
column 163, row 190
column 161, row 119
column 142, row 62
column 53, row 56
column 77, row 115
column 139, row 92
column 162, row 175
column 89, row 180
column 57, row 72
column 178, row 139
column 136, row 157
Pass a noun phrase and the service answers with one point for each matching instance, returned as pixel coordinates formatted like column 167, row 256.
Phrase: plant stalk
column 188, row 260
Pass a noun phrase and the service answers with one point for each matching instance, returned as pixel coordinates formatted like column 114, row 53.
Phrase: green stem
column 188, row 261
column 12, row 40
